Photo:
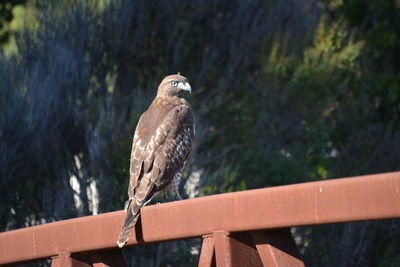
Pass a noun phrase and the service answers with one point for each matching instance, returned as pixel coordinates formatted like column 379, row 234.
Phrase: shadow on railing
column 248, row 228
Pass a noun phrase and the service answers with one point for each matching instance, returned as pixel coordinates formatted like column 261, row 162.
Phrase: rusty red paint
column 270, row 248
column 236, row 250
column 207, row 255
column 368, row 197
column 277, row 248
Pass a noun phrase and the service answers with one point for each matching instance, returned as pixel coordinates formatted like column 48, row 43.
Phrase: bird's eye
column 174, row 83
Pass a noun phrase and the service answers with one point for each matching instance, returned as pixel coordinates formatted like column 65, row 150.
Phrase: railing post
column 222, row 248
column 64, row 259
column 207, row 255
column 235, row 249
column 108, row 258
column 257, row 248
column 228, row 250
column 277, row 248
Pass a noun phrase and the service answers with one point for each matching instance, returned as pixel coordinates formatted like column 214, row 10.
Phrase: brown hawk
column 161, row 145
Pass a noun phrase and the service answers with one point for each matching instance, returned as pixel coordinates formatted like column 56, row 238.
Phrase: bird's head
column 174, row 85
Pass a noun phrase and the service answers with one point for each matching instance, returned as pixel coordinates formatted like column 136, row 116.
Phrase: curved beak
column 185, row 86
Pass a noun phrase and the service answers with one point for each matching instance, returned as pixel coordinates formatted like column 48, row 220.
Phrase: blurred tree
column 6, row 15
column 285, row 92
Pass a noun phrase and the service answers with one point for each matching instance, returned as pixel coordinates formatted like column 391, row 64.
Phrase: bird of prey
column 161, row 145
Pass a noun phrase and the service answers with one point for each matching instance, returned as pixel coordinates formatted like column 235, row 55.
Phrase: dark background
column 284, row 92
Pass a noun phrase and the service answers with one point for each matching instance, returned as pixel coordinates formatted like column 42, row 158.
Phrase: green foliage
column 6, row 16
column 282, row 93
column 309, row 86
column 15, row 17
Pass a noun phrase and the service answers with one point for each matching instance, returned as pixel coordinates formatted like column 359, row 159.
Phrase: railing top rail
column 359, row 198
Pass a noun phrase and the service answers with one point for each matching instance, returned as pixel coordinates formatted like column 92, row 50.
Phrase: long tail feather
column 132, row 215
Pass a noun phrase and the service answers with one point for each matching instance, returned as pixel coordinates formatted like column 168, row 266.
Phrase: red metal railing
column 248, row 227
